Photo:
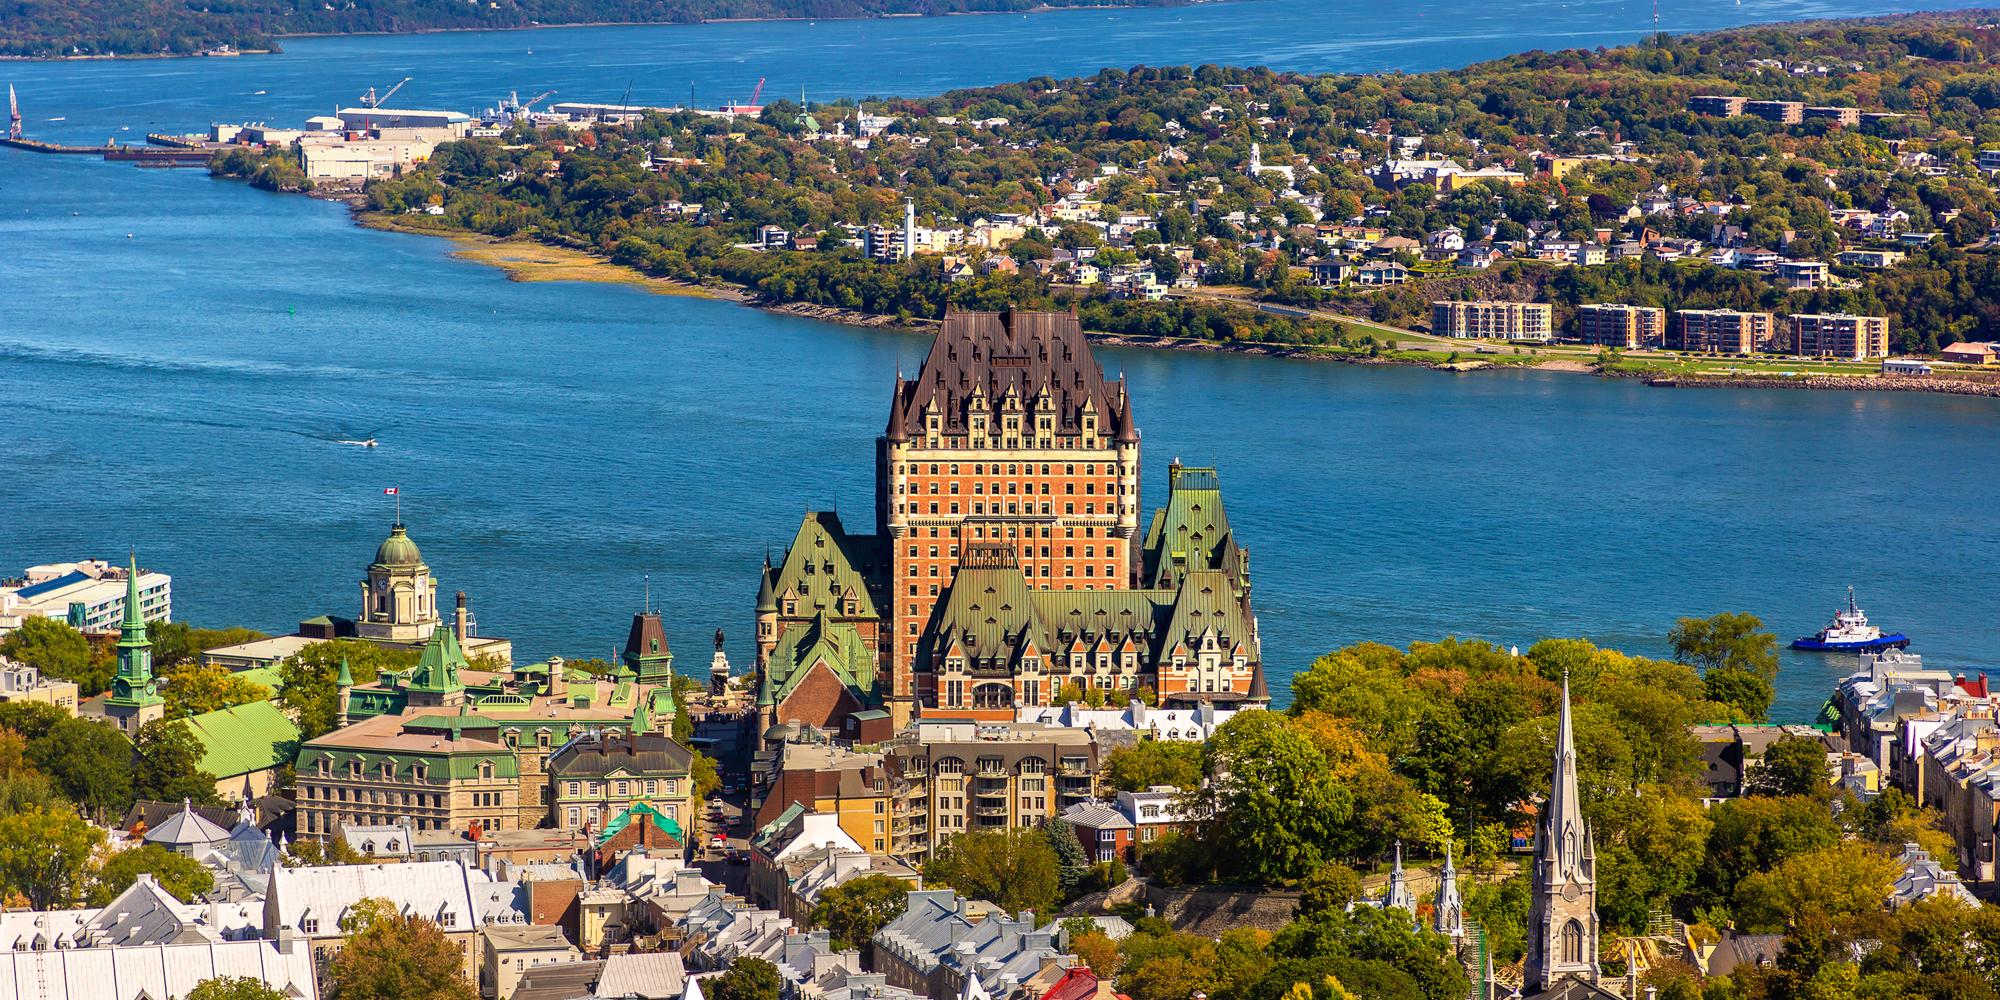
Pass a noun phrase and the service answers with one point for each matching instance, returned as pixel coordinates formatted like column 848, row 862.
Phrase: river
column 179, row 358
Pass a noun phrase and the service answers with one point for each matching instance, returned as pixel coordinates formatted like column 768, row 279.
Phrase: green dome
column 398, row 549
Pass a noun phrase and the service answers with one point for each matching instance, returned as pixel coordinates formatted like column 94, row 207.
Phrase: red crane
column 751, row 109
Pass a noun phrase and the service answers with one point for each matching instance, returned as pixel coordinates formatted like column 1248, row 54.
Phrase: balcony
column 990, row 811
column 1073, row 769
column 990, row 771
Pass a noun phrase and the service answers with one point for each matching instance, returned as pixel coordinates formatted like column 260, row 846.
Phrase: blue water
column 179, row 357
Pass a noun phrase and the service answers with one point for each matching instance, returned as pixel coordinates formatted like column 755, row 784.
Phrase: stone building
column 135, row 694
column 1562, row 914
column 599, row 775
column 948, row 777
column 1011, row 454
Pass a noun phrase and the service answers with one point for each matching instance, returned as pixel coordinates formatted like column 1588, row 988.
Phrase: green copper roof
column 1191, row 532
column 455, row 725
column 134, row 685
column 641, row 811
column 437, row 670
column 398, row 550
column 822, row 640
column 238, row 741
column 826, row 565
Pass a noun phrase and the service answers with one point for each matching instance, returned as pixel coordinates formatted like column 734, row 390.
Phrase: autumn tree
column 1794, row 765
column 54, row 648
column 235, row 988
column 1271, row 809
column 391, row 956
column 45, row 856
column 307, row 681
column 197, row 688
column 853, row 911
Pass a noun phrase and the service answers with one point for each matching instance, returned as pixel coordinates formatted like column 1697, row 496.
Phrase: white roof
column 439, row 891
column 159, row 971
column 651, row 976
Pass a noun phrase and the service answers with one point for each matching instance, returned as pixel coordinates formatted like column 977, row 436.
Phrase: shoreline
column 570, row 264
column 1040, row 8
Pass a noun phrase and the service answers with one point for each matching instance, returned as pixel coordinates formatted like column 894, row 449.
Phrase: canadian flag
column 390, row 491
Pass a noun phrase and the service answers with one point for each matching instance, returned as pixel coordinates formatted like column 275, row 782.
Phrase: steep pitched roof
column 1039, row 361
column 1192, row 531
column 825, row 564
column 823, row 640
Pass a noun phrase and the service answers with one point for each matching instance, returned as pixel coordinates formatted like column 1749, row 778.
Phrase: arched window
column 1572, row 943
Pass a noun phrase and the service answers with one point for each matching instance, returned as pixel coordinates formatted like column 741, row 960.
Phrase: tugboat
column 1849, row 632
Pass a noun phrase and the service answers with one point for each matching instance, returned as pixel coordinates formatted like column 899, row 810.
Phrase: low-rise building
column 1720, row 106
column 20, row 682
column 1194, row 723
column 599, row 774
column 1782, row 112
column 1490, row 320
column 310, row 904
column 1871, row 259
column 1972, row 353
column 941, row 948
column 1801, row 275
column 1838, row 117
column 508, row 951
column 1839, row 335
column 1621, row 326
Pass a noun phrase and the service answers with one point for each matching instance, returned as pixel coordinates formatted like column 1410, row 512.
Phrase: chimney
column 558, row 680
column 458, row 619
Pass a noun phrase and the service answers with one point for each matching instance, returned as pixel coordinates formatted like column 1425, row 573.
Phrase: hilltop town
column 1800, row 202
column 1014, row 741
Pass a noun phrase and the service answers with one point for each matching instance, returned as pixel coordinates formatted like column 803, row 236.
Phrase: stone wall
column 1210, row 910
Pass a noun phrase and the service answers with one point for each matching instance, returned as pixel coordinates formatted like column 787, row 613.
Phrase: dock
column 177, row 156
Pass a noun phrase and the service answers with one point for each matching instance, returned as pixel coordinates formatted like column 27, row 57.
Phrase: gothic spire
column 1565, row 809
column 1399, row 888
column 1448, row 913
column 1562, row 915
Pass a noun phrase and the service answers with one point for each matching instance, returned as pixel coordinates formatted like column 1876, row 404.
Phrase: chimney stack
column 459, row 617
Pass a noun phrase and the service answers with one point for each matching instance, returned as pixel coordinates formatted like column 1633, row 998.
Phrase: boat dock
column 152, row 156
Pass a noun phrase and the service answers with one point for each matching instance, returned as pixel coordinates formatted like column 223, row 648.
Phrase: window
column 1572, row 942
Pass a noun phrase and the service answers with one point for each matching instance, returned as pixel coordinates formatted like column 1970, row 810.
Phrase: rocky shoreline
column 1847, row 383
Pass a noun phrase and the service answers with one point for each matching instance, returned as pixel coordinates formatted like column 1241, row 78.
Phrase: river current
column 181, row 357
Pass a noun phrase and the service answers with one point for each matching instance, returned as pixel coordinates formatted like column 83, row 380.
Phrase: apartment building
column 1621, row 326
column 1839, row 335
column 947, row 777
column 1487, row 320
column 1719, row 106
column 1722, row 331
column 1782, row 112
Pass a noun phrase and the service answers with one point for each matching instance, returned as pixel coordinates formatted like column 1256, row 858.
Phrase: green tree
column 90, row 762
column 45, row 856
column 747, row 979
column 1727, row 641
column 57, row 650
column 175, row 643
column 182, row 876
column 853, row 911
column 1015, row 869
column 168, row 768
column 1072, row 861
column 390, row 956
column 1331, row 887
column 1753, row 835
column 1147, row 763
column 1820, row 887
column 234, row 988
column 1271, row 809
column 1749, row 694
column 198, row 688
column 307, row 685
column 1794, row 765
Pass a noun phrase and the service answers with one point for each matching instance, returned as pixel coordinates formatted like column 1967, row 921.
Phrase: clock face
column 1570, row 892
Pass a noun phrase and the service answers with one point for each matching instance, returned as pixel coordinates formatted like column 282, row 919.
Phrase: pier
column 152, row 156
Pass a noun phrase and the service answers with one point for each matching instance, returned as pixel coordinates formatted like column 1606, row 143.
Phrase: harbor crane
column 369, row 100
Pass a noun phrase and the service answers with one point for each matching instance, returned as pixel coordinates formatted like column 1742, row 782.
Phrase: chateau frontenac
column 1007, row 561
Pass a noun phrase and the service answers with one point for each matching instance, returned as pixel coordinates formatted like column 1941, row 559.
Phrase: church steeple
column 1399, row 888
column 135, row 696
column 1562, row 918
column 1448, row 912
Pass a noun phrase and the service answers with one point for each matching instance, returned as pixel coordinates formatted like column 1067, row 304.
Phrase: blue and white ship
column 1849, row 632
